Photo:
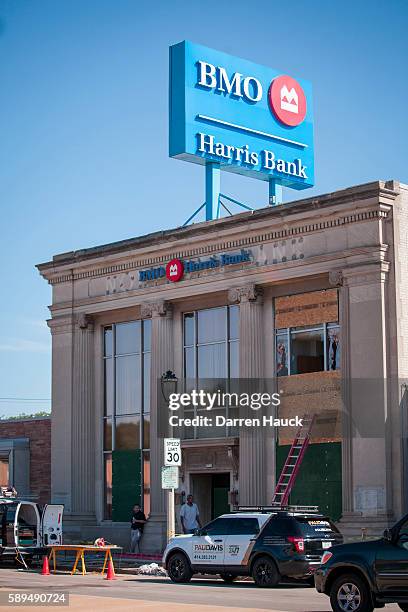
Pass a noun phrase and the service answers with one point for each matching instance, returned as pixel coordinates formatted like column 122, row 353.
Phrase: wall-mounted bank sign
column 249, row 118
column 176, row 268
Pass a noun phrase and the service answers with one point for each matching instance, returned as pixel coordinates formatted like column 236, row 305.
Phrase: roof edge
column 390, row 188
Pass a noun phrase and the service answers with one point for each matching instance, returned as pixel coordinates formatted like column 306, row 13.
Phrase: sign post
column 170, row 479
column 212, row 190
column 275, row 193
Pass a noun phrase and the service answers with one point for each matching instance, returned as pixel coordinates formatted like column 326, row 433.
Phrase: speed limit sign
column 172, row 452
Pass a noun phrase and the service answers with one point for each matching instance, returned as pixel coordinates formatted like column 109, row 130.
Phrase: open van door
column 51, row 524
column 26, row 525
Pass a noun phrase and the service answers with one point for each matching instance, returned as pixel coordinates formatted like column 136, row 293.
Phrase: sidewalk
column 141, row 557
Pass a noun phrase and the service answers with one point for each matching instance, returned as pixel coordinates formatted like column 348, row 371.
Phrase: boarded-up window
column 307, row 309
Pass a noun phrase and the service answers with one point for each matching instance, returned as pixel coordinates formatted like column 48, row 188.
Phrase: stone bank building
column 318, row 302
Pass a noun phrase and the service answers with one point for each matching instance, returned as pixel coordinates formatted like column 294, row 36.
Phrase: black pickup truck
column 361, row 576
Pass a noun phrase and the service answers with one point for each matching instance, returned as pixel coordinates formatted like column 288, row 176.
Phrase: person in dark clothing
column 136, row 528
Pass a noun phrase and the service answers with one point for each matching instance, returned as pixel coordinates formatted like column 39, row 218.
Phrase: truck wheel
column 350, row 593
column 228, row 578
column 178, row 568
column 265, row 573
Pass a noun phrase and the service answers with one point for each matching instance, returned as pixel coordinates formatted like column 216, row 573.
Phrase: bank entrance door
column 211, row 494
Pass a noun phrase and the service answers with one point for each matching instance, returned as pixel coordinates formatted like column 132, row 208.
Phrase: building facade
column 308, row 296
column 25, row 457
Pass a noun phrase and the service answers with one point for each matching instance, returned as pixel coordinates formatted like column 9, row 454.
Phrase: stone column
column 61, row 392
column 366, row 446
column 162, row 359
column 83, row 420
column 252, row 479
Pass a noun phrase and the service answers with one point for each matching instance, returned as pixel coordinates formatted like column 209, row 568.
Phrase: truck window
column 313, row 527
column 220, row 526
column 281, row 526
column 244, row 526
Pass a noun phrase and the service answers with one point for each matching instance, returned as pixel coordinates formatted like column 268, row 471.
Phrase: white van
column 28, row 527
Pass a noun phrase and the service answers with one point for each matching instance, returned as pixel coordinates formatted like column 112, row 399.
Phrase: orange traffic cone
column 110, row 574
column 45, row 567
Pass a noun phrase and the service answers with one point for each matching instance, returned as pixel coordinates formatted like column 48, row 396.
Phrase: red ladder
column 293, row 462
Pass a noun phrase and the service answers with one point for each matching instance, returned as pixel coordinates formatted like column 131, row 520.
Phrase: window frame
column 141, row 413
column 228, row 341
column 239, row 520
column 289, row 332
column 219, row 519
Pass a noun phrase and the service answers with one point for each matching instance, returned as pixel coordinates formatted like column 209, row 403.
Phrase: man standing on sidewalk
column 189, row 516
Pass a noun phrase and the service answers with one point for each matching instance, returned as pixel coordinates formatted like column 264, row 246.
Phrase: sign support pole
column 275, row 193
column 172, row 457
column 212, row 190
column 171, row 531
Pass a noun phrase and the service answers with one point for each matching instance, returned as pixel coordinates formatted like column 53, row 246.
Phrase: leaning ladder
column 293, row 462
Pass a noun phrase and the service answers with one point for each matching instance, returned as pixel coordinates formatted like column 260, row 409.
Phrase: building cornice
column 249, row 230
column 316, row 265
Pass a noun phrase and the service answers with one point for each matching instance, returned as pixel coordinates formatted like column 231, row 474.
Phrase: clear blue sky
column 83, row 128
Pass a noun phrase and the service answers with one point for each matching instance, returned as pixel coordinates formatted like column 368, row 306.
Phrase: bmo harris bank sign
column 249, row 118
column 176, row 268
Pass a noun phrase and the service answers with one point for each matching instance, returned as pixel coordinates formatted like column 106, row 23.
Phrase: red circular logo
column 287, row 100
column 174, row 270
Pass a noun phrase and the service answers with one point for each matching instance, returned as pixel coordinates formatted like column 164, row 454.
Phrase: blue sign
column 250, row 119
column 176, row 268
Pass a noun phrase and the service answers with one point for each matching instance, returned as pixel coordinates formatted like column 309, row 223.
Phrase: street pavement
column 151, row 593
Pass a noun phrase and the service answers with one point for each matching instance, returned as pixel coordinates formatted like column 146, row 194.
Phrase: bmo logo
column 287, row 100
column 174, row 270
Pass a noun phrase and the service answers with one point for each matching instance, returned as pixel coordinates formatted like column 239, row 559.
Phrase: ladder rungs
column 296, row 453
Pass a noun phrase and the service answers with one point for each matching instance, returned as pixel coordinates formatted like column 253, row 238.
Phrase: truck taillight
column 298, row 542
column 327, row 555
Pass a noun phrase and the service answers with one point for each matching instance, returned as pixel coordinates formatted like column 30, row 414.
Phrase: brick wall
column 38, row 431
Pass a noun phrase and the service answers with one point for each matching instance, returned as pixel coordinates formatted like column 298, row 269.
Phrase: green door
column 318, row 482
column 126, row 483
column 220, row 489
